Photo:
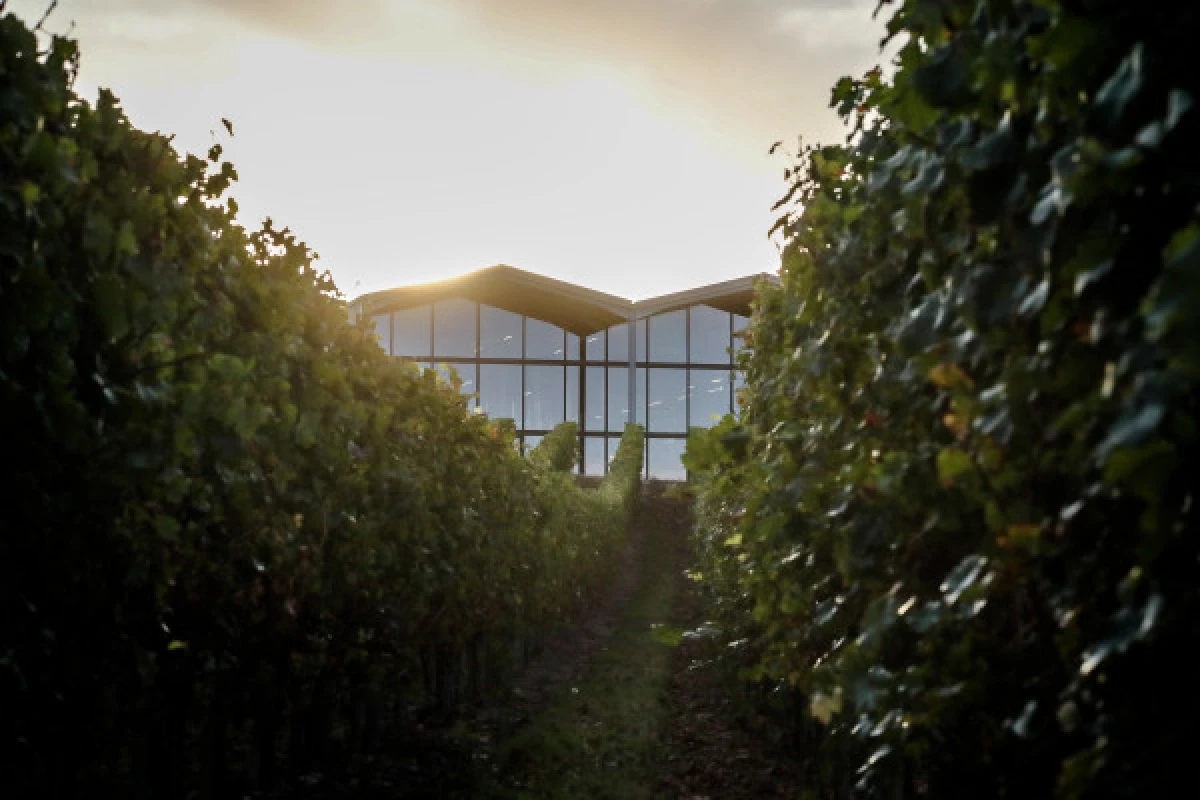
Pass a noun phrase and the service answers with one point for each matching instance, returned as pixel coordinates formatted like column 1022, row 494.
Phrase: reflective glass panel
column 665, row 459
column 531, row 442
column 639, row 409
column 572, row 347
column 739, row 327
column 383, row 331
column 573, row 394
column 593, row 455
column 668, row 337
column 640, row 346
column 618, row 342
column 499, row 333
column 668, row 400
column 460, row 372
column 454, row 329
column 410, row 333
column 709, row 393
column 500, row 390
column 613, row 443
column 618, row 398
column 593, row 412
column 595, row 346
column 543, row 397
column 543, row 340
column 739, row 382
column 709, row 337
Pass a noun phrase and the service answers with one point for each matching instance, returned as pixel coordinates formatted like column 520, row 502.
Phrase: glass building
column 540, row 351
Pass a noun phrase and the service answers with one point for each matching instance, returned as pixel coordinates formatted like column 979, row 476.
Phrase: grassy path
column 601, row 737
column 625, row 716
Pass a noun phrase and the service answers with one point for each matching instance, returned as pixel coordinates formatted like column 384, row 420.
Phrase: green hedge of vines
column 235, row 532
column 956, row 519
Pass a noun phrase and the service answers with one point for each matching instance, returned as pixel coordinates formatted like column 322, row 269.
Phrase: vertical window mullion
column 731, row 364
column 432, row 330
column 524, row 337
column 687, row 373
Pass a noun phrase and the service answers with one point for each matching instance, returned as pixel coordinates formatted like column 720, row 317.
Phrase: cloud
column 760, row 69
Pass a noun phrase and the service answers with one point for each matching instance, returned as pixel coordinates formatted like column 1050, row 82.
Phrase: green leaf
column 952, row 464
column 109, row 301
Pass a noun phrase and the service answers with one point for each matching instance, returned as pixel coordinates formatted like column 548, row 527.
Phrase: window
column 640, row 347
column 462, row 373
column 454, row 329
column 739, row 327
column 543, row 340
column 708, row 394
column 593, row 412
column 709, row 337
column 499, row 333
column 410, row 333
column 500, row 390
column 543, row 397
column 639, row 408
column 383, row 331
column 668, row 335
column 618, row 342
column 530, row 442
column 572, row 347
column 618, row 398
column 573, row 394
column 668, row 400
column 593, row 455
column 664, row 457
column 739, row 383
column 613, row 443
column 595, row 346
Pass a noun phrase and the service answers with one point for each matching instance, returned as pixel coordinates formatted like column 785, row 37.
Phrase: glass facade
column 537, row 374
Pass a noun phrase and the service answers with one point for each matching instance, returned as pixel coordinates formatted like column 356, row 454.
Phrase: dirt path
column 619, row 710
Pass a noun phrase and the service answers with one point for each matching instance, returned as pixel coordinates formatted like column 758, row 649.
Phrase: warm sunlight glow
column 616, row 144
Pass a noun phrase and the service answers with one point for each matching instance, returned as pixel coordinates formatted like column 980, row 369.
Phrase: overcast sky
column 619, row 144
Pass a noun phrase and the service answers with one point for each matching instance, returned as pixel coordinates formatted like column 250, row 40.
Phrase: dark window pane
column 499, row 333
column 454, row 329
column 383, row 331
column 618, row 342
column 668, row 337
column 640, row 346
column 410, row 333
column 618, row 398
column 572, row 347
column 543, row 340
column 593, row 455
column 709, row 338
column 668, row 400
column 573, row 394
column 500, row 390
column 595, row 346
column 640, row 407
column 543, row 397
column 593, row 419
column 665, row 459
column 708, row 390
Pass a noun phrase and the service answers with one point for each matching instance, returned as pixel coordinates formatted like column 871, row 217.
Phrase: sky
column 618, row 144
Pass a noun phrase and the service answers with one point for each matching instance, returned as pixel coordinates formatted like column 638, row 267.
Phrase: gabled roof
column 575, row 308
column 732, row 295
